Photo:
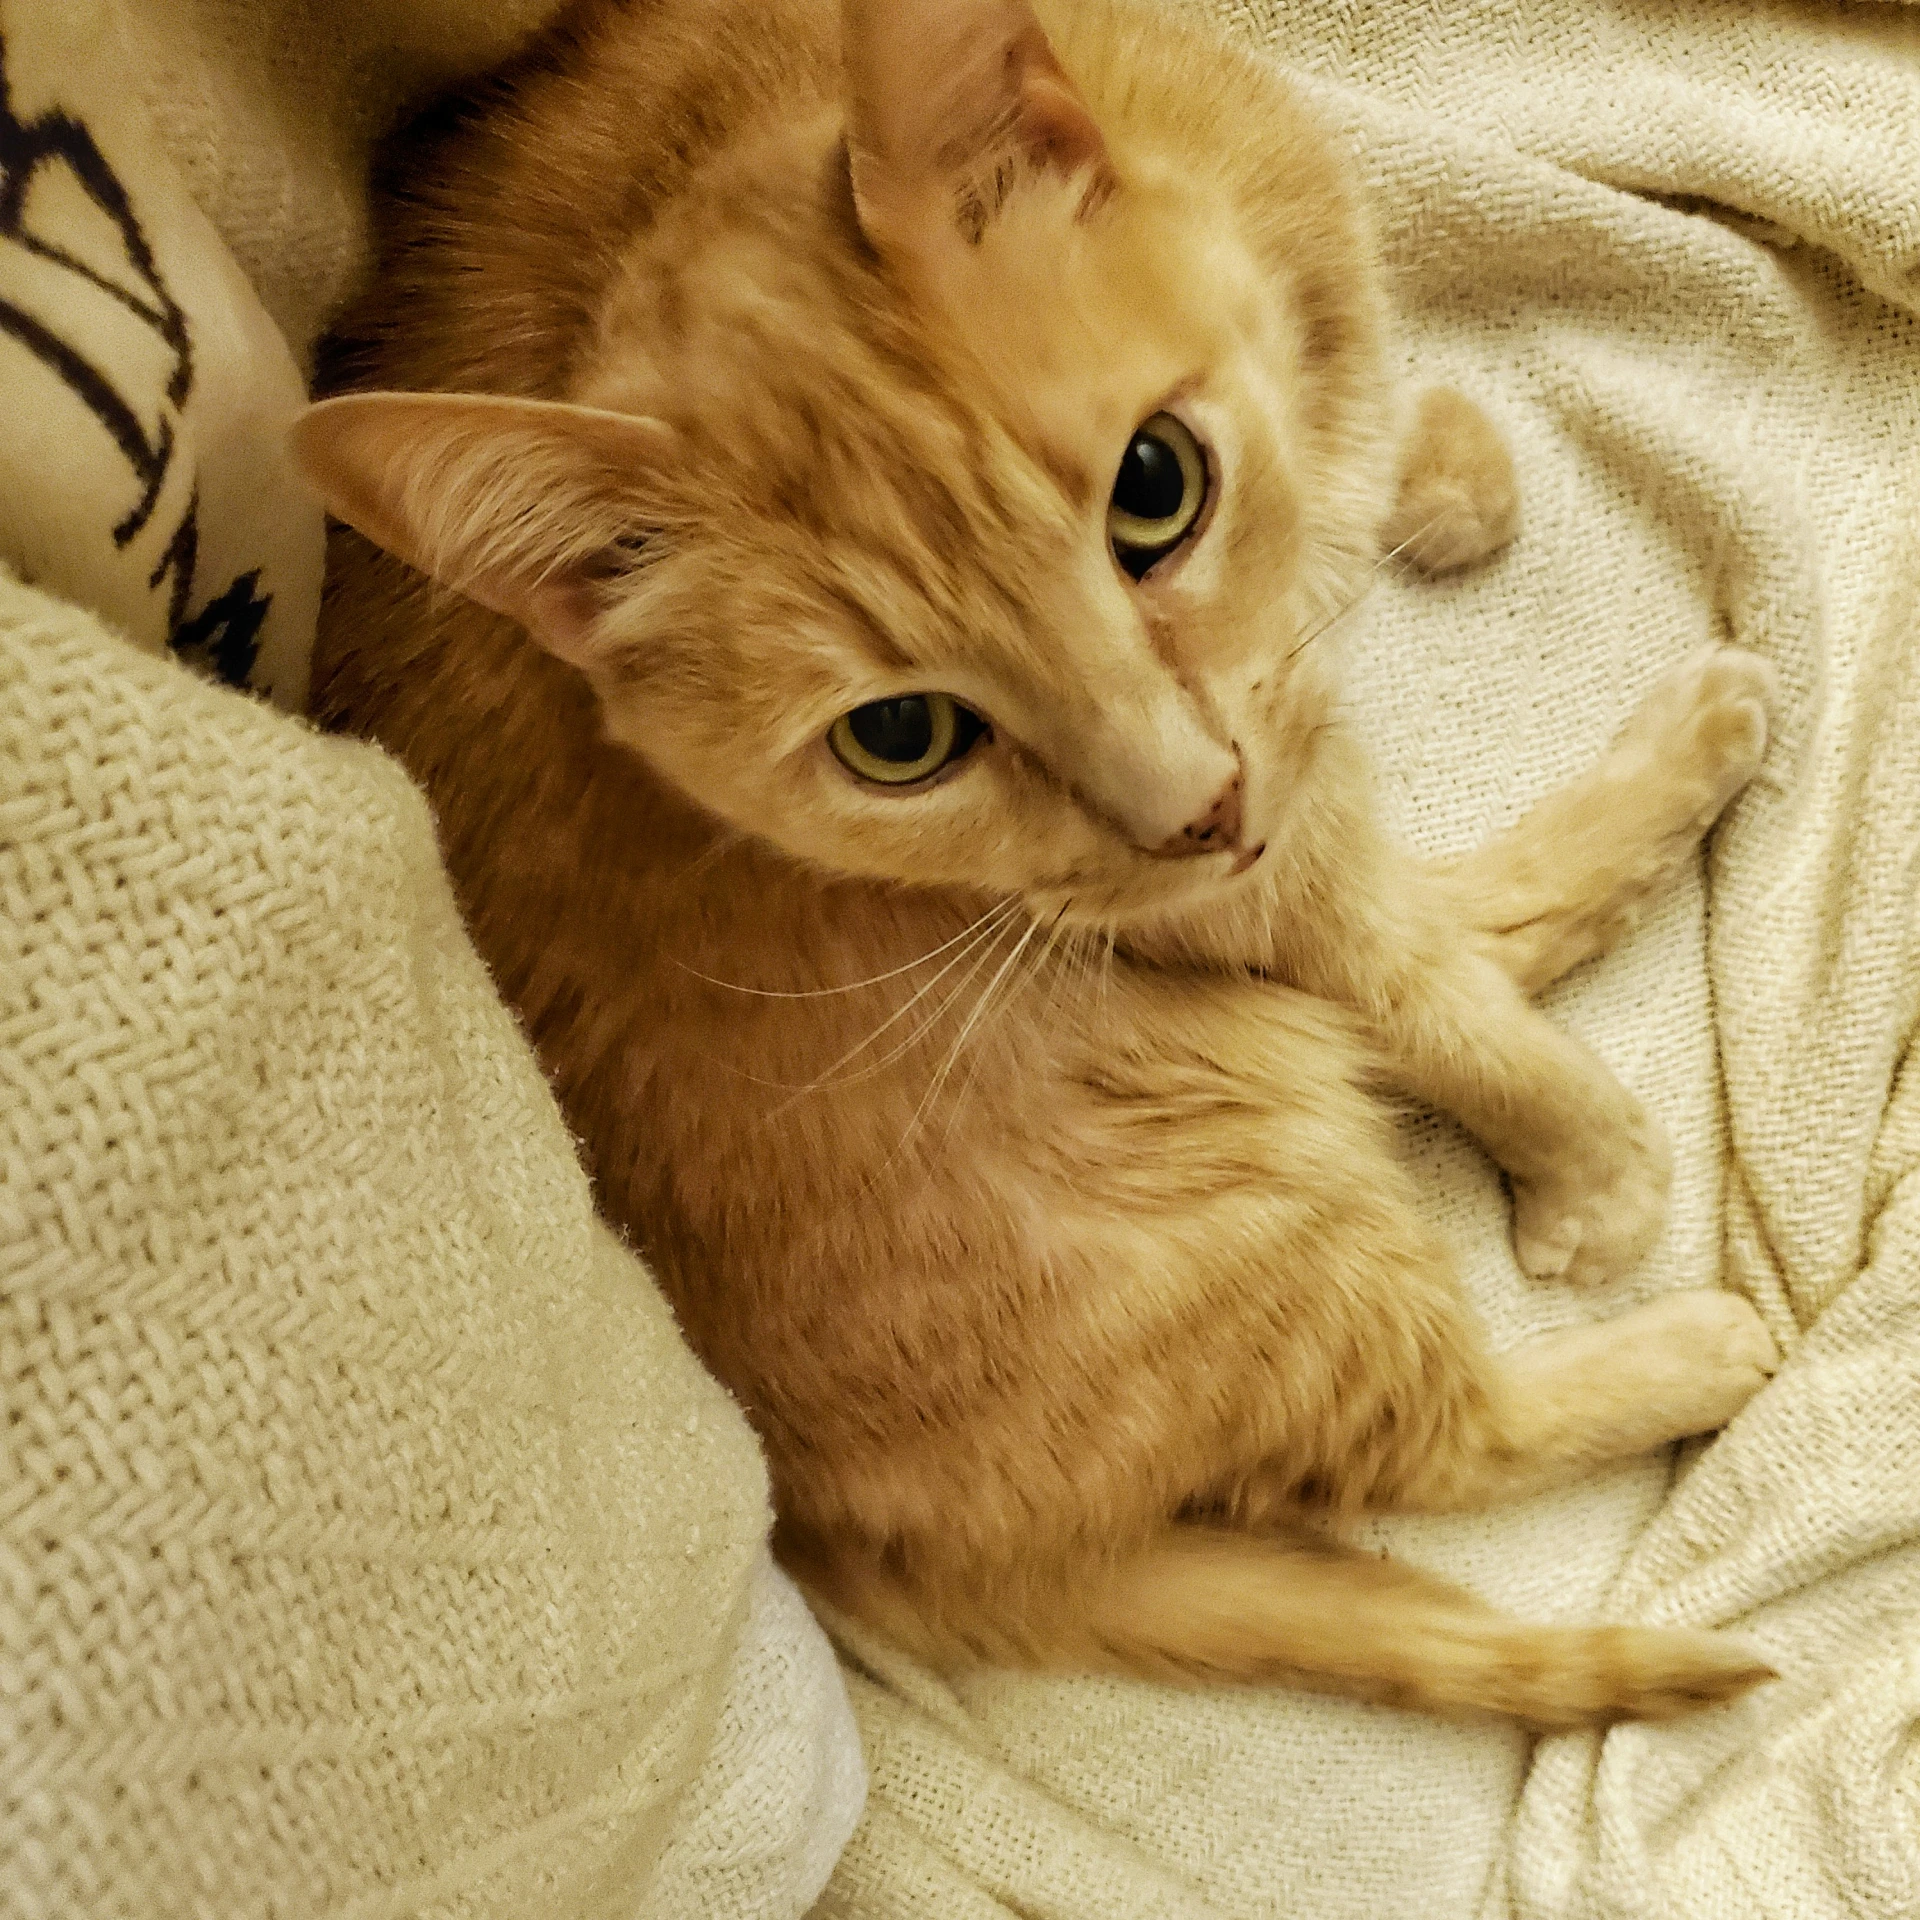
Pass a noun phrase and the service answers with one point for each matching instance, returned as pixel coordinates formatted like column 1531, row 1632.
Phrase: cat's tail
column 1204, row 1606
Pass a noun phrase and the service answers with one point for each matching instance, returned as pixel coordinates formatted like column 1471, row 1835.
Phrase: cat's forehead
column 1079, row 328
column 760, row 322
column 799, row 412
column 929, row 470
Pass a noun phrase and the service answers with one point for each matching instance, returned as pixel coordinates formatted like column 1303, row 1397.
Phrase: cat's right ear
column 515, row 503
column 951, row 106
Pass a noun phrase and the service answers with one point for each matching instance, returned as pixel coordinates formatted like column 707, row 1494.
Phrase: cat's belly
column 1072, row 1273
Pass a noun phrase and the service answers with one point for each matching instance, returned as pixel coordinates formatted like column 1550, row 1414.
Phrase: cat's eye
column 896, row 742
column 1157, row 494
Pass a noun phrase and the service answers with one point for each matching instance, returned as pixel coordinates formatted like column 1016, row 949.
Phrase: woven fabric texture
column 1674, row 250
column 370, row 1543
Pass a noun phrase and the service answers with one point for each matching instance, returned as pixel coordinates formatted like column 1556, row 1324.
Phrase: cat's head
column 954, row 481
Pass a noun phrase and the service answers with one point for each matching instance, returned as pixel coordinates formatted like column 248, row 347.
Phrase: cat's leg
column 1547, row 1412
column 1440, row 961
column 1427, row 1419
column 1455, row 501
column 1255, row 1592
column 1580, row 869
column 1384, row 1392
column 1356, row 920
column 1588, row 1165
column 1446, row 968
column 1567, row 1402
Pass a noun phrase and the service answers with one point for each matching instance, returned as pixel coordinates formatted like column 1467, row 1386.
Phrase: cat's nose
column 1217, row 830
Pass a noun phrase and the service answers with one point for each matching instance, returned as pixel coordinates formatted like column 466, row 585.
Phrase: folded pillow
column 143, row 472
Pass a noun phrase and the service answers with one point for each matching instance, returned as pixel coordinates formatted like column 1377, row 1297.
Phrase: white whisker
column 1366, row 586
column 1070, row 963
column 1013, row 993
column 988, row 939
column 723, row 844
column 966, row 1032
column 919, row 1032
column 823, row 993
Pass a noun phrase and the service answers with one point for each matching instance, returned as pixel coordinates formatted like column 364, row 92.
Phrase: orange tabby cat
column 898, row 470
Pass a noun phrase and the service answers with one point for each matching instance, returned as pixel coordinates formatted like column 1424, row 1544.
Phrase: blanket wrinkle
column 1796, row 113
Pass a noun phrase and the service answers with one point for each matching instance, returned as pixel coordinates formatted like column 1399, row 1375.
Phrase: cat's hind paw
column 1592, row 1216
column 1689, row 1362
column 1701, row 734
column 1457, row 500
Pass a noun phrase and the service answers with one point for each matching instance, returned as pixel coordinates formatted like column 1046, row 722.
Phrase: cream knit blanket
column 1676, row 249
column 370, row 1543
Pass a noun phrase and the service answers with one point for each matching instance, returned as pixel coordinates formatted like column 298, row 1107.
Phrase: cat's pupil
column 1151, row 484
column 897, row 731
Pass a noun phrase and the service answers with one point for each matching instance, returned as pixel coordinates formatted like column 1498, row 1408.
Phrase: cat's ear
column 951, row 105
column 518, row 504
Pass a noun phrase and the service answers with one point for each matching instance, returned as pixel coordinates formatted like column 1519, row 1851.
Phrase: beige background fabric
column 145, row 393
column 1673, row 249
column 370, row 1543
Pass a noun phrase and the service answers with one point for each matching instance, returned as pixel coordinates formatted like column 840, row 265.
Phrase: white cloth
column 1676, row 251
column 783, row 1784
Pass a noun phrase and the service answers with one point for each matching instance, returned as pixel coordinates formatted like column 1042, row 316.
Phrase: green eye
column 895, row 742
column 1157, row 494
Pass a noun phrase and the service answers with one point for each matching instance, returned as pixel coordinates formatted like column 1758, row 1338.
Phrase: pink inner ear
column 1053, row 123
column 942, row 94
column 560, row 613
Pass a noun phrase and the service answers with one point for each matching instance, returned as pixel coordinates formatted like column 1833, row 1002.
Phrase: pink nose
column 1215, row 831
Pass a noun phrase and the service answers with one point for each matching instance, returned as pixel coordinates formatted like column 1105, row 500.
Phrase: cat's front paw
column 1457, row 501
column 1599, row 1207
column 1703, row 729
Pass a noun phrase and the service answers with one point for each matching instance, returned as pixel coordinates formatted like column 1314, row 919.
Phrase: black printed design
column 224, row 635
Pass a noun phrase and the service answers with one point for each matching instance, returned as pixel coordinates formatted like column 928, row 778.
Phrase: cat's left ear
column 518, row 504
column 952, row 105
